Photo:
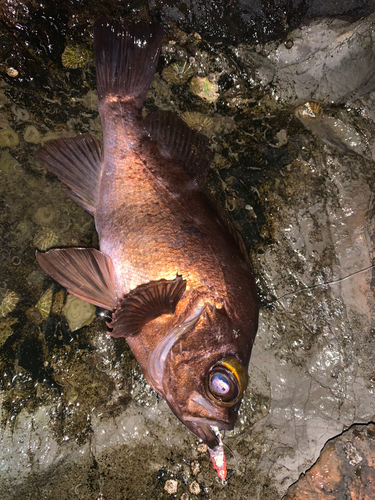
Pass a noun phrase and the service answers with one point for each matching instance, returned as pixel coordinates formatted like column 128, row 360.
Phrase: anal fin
column 86, row 273
column 145, row 303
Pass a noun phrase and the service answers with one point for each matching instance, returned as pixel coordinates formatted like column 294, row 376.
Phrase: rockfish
column 171, row 267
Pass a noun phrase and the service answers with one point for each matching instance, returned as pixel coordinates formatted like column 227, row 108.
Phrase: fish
column 171, row 267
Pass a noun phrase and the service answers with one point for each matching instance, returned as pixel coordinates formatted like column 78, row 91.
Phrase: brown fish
column 170, row 266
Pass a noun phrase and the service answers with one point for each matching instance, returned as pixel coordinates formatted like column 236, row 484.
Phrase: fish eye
column 226, row 382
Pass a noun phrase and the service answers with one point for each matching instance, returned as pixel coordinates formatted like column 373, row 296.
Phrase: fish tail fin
column 126, row 58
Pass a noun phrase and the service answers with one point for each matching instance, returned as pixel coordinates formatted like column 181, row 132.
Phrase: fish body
column 171, row 268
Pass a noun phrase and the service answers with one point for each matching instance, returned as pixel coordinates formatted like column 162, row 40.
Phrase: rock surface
column 345, row 469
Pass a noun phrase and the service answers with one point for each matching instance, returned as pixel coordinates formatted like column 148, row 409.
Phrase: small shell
column 178, row 73
column 204, row 88
column 78, row 313
column 8, row 138
column 198, row 121
column 12, row 72
column 195, row 467
column 45, row 239
column 171, row 486
column 44, row 304
column 75, row 56
column 194, row 488
column 202, row 448
column 309, row 111
column 9, row 302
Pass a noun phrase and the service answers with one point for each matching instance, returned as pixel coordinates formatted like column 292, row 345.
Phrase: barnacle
column 78, row 313
column 194, row 488
column 6, row 329
column 20, row 113
column 171, row 486
column 44, row 304
column 205, row 88
column 309, row 111
column 8, row 138
column 8, row 303
column 9, row 166
column 90, row 100
column 75, row 56
column 178, row 73
column 198, row 121
column 32, row 135
column 44, row 215
column 21, row 232
column 45, row 238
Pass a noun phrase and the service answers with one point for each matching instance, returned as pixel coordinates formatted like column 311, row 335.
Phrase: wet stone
column 345, row 469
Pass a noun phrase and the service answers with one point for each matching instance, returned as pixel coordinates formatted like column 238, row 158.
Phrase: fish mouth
column 203, row 428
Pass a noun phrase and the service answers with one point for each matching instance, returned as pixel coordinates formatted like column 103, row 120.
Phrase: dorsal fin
column 145, row 303
column 86, row 273
column 77, row 163
column 179, row 142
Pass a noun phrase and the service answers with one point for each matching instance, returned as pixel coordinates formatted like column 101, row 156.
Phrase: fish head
column 205, row 373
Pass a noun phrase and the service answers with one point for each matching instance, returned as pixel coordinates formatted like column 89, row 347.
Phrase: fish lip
column 221, row 424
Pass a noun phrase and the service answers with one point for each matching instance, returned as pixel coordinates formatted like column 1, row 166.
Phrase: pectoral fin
column 85, row 272
column 145, row 303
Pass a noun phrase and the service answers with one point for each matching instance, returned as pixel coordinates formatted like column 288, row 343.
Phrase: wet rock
column 345, row 469
column 330, row 61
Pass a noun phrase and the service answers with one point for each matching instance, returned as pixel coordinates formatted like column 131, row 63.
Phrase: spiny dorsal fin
column 145, row 303
column 126, row 58
column 86, row 273
column 179, row 142
column 77, row 163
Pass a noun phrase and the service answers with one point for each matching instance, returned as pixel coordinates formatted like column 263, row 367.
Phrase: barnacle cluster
column 78, row 313
column 309, row 111
column 8, row 303
column 178, row 73
column 75, row 56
